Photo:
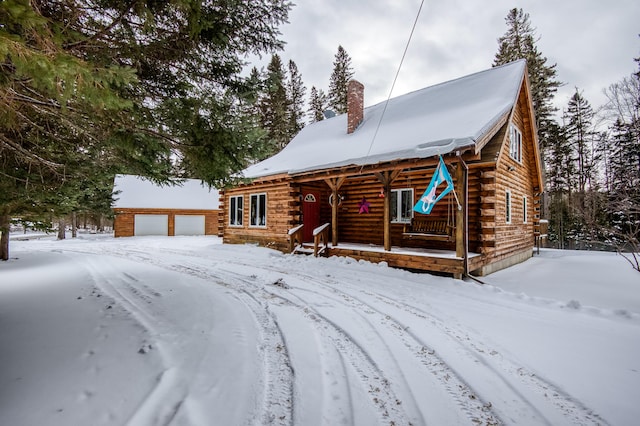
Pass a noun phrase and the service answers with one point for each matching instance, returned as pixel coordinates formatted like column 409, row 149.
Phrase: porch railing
column 295, row 238
column 320, row 236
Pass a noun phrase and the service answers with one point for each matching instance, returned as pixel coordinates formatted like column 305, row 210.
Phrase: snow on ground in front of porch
column 186, row 330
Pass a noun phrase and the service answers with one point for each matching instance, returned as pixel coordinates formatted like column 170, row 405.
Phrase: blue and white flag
column 431, row 195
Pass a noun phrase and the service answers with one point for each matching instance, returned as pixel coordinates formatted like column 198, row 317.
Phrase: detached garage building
column 143, row 208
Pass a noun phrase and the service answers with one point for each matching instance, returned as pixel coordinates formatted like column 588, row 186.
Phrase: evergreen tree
column 317, row 104
column 588, row 202
column 624, row 158
column 275, row 107
column 519, row 42
column 560, row 177
column 579, row 131
column 623, row 153
column 342, row 73
column 560, row 166
column 226, row 132
column 84, row 86
column 624, row 196
column 252, row 91
column 296, row 95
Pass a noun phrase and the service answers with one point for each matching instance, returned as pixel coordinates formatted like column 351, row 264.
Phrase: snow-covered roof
column 137, row 192
column 431, row 121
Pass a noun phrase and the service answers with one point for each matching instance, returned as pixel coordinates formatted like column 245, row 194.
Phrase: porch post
column 386, row 179
column 460, row 216
column 460, row 212
column 387, row 216
column 334, row 185
column 334, row 217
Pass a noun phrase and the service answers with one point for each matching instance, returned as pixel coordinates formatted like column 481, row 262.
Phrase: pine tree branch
column 26, row 154
column 102, row 32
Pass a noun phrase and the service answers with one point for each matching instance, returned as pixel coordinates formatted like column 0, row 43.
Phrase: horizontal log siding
column 283, row 212
column 422, row 263
column 419, row 180
column 516, row 237
column 123, row 224
column 355, row 227
column 482, row 209
column 368, row 228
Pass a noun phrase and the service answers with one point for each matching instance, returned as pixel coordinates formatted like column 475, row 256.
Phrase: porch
column 367, row 214
column 420, row 259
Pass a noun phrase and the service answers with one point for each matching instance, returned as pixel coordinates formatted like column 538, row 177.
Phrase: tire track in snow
column 439, row 373
column 544, row 392
column 164, row 401
column 455, row 387
column 278, row 381
column 349, row 351
column 388, row 406
column 389, row 410
column 277, row 406
column 279, row 399
column 475, row 410
column 536, row 388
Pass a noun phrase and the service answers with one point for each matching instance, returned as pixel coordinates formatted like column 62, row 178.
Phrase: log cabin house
column 143, row 208
column 349, row 183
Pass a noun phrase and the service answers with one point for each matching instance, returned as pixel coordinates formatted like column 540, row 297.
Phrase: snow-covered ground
column 188, row 331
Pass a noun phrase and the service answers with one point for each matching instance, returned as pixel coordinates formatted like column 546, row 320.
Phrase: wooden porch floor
column 422, row 259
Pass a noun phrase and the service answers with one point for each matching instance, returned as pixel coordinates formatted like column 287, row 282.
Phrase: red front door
column 310, row 214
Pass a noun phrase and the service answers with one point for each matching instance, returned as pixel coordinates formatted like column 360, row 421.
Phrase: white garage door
column 189, row 225
column 151, row 224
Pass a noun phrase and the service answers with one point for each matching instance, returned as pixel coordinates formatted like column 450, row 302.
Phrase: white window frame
column 398, row 218
column 507, row 205
column 524, row 209
column 236, row 220
column 515, row 143
column 254, row 217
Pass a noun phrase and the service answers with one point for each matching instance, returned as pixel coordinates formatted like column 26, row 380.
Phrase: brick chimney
column 355, row 105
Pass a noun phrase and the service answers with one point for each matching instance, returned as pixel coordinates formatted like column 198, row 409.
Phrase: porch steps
column 307, row 249
column 301, row 249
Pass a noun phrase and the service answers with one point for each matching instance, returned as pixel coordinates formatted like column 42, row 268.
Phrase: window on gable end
column 515, row 143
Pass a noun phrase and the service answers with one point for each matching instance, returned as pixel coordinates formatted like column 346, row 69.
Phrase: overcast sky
column 593, row 42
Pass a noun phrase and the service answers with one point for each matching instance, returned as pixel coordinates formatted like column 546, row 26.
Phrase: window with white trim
column 507, row 203
column 401, row 205
column 524, row 209
column 258, row 210
column 236, row 210
column 515, row 143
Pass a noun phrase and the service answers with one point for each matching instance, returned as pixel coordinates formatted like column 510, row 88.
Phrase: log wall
column 520, row 179
column 368, row 228
column 283, row 213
